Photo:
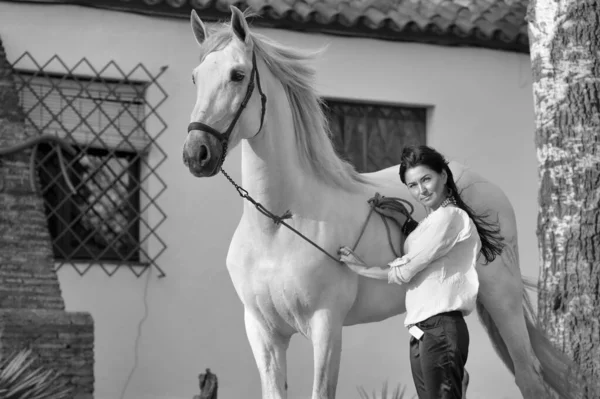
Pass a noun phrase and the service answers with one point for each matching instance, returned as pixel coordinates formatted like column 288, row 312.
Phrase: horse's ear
column 200, row 32
column 239, row 24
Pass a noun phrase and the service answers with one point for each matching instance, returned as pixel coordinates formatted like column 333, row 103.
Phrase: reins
column 378, row 201
column 223, row 137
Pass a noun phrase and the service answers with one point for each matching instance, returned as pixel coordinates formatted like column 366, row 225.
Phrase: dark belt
column 453, row 313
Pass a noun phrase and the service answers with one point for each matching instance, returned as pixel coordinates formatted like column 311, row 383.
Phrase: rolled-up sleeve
column 395, row 272
column 444, row 228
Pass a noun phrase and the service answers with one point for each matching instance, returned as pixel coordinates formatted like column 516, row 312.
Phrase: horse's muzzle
column 201, row 154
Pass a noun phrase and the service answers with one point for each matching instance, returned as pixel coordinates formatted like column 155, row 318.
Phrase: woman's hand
column 358, row 266
column 352, row 260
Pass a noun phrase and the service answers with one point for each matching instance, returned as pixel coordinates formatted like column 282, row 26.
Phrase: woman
column 439, row 271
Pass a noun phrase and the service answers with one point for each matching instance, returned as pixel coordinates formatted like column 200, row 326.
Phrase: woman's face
column 426, row 185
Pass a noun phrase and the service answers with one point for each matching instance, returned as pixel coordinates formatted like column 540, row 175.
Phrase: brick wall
column 62, row 341
column 32, row 310
column 26, row 260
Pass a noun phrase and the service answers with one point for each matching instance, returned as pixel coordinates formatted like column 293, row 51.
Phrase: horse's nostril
column 203, row 154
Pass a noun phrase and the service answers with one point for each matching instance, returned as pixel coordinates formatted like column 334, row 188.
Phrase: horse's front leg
column 326, row 337
column 269, row 348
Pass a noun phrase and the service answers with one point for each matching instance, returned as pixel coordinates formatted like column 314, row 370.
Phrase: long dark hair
column 489, row 233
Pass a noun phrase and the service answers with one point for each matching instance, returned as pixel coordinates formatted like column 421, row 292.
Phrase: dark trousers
column 437, row 360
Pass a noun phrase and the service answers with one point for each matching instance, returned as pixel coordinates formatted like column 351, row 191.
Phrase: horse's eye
column 193, row 80
column 237, row 75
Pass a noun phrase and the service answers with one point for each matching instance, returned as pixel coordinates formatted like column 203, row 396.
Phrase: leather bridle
column 224, row 137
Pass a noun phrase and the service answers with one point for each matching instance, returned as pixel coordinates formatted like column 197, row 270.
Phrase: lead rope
column 280, row 220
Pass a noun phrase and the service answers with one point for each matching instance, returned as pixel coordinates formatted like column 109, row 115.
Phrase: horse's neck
column 272, row 172
column 274, row 175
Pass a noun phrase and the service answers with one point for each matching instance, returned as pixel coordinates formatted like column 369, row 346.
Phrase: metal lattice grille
column 372, row 136
column 100, row 219
column 106, row 212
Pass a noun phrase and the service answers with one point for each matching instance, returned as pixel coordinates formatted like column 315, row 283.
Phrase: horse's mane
column 312, row 133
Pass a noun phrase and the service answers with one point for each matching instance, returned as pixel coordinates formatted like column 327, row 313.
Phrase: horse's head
column 230, row 104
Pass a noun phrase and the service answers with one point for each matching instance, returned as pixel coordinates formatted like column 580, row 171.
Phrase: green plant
column 398, row 393
column 19, row 379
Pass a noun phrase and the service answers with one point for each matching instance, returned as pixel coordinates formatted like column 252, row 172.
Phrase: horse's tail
column 498, row 343
column 558, row 371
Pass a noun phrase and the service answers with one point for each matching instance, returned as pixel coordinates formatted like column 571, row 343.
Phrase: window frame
column 63, row 211
column 423, row 112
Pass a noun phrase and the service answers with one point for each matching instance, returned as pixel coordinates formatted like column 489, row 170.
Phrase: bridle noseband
column 224, row 137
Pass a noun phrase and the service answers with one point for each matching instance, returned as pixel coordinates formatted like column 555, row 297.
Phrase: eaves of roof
column 492, row 24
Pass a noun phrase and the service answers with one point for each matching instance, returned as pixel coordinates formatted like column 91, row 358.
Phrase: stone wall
column 32, row 310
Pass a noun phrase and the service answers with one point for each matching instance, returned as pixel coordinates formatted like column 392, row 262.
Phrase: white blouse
column 439, row 265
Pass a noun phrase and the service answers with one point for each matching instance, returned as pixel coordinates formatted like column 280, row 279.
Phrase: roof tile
column 349, row 16
column 495, row 24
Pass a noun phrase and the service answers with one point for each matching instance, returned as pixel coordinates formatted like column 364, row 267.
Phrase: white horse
column 288, row 163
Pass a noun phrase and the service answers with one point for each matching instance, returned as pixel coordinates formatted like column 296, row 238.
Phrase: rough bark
column 565, row 54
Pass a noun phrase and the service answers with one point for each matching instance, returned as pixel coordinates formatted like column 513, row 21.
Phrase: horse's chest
column 265, row 280
column 282, row 287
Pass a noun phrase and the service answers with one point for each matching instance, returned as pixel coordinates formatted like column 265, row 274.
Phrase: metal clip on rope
column 244, row 194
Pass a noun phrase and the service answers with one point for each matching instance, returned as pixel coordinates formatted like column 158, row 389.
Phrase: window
column 371, row 136
column 100, row 220
column 107, row 213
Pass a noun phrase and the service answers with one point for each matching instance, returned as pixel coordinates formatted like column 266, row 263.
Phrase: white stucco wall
column 154, row 336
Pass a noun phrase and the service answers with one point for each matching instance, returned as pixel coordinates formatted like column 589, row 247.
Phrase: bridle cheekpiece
column 224, row 137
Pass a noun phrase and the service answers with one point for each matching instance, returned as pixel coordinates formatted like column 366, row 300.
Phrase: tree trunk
column 565, row 54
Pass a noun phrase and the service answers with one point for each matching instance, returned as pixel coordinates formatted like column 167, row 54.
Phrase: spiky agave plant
column 398, row 393
column 19, row 379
